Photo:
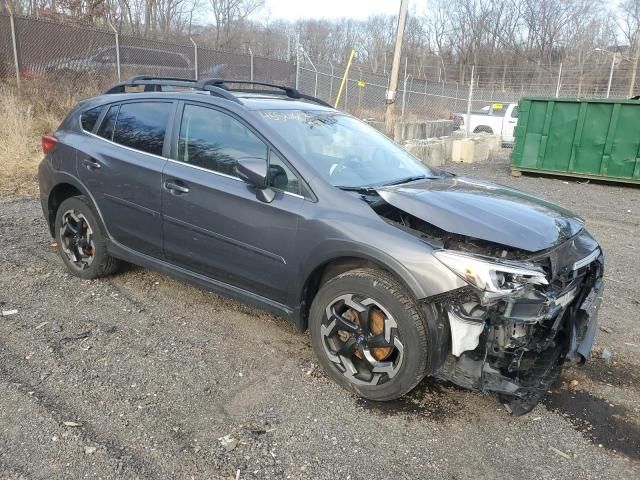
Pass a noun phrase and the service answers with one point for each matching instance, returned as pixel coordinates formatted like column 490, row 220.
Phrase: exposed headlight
column 494, row 276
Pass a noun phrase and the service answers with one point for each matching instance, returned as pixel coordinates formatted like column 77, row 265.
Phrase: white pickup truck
column 496, row 118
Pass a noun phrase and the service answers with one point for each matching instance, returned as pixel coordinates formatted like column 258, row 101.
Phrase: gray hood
column 485, row 211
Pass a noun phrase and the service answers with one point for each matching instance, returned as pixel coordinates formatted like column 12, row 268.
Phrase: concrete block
column 431, row 152
column 462, row 150
column 493, row 142
column 448, row 145
column 378, row 125
column 406, row 131
column 480, row 151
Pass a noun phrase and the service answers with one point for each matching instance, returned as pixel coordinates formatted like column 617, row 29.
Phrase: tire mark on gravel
column 14, row 370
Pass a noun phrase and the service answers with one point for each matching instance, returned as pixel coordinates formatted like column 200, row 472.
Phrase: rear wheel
column 81, row 241
column 369, row 335
column 483, row 129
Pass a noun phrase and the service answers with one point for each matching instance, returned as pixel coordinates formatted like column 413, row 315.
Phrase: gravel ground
column 153, row 373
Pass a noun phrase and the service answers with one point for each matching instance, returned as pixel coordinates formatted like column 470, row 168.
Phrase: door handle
column 91, row 163
column 176, row 188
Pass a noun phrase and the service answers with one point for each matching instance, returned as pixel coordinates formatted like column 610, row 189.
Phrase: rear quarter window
column 89, row 118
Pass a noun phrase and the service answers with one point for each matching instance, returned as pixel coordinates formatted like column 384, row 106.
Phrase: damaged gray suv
column 261, row 193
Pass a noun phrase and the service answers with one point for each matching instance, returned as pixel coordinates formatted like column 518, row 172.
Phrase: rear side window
column 141, row 125
column 89, row 118
column 515, row 112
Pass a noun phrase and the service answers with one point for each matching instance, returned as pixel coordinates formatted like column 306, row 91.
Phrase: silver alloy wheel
column 360, row 337
column 76, row 239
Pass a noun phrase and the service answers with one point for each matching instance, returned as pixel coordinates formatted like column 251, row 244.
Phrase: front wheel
column 369, row 335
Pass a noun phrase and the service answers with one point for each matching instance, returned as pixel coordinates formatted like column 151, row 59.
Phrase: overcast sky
column 295, row 9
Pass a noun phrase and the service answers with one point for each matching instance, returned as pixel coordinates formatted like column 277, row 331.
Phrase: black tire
column 483, row 129
column 102, row 264
column 386, row 291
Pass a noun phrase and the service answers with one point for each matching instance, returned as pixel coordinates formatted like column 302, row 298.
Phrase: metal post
column 15, row 47
column 251, row 59
column 297, row 61
column 613, row 64
column 424, row 103
column 315, row 88
column 634, row 71
column 331, row 83
column 473, row 68
column 195, row 57
column 456, row 102
column 404, row 90
column 346, row 96
column 115, row 31
column 559, row 78
column 359, row 91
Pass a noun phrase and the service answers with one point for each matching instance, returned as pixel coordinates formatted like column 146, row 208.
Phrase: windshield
column 346, row 152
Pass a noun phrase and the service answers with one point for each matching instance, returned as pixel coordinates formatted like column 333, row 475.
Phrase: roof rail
column 154, row 84
column 215, row 86
column 290, row 92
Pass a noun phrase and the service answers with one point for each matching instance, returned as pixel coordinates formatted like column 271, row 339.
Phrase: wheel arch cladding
column 59, row 194
column 333, row 267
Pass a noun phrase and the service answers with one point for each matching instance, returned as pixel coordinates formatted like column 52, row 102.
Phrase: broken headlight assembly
column 496, row 278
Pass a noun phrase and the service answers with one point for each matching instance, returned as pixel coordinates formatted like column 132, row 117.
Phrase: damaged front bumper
column 517, row 347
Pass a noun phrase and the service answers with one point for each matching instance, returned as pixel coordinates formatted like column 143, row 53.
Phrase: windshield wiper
column 357, row 189
column 411, row 179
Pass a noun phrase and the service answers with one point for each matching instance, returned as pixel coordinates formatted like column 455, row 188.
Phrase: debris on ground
column 41, row 325
column 606, row 355
column 6, row 313
column 606, row 329
column 228, row 442
column 559, row 452
column 72, row 424
column 90, row 450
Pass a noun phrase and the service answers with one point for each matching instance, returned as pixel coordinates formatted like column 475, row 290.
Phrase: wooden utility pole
column 390, row 97
column 634, row 71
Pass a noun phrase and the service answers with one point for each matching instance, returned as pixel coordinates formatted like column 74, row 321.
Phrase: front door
column 213, row 223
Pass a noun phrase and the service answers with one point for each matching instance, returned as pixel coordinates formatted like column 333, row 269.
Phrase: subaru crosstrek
column 270, row 196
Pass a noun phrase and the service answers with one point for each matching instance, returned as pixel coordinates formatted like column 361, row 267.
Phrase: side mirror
column 254, row 172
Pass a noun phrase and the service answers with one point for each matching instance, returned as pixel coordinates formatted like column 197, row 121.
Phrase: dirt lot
column 154, row 372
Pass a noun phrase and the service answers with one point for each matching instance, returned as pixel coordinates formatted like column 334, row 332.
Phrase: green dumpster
column 594, row 138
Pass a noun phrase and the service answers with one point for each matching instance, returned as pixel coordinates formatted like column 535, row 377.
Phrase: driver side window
column 216, row 141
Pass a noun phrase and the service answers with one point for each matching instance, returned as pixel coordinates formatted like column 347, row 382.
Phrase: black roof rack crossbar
column 154, row 83
column 215, row 86
column 290, row 92
column 151, row 82
column 151, row 77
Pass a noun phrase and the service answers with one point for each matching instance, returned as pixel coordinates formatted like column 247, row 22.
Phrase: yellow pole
column 344, row 77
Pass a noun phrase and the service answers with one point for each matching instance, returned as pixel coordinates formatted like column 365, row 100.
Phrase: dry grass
column 26, row 115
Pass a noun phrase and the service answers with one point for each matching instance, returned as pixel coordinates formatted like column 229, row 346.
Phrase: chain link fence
column 76, row 56
column 437, row 98
column 45, row 49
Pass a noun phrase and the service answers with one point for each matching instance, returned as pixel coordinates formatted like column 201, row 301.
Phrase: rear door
column 213, row 223
column 122, row 168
